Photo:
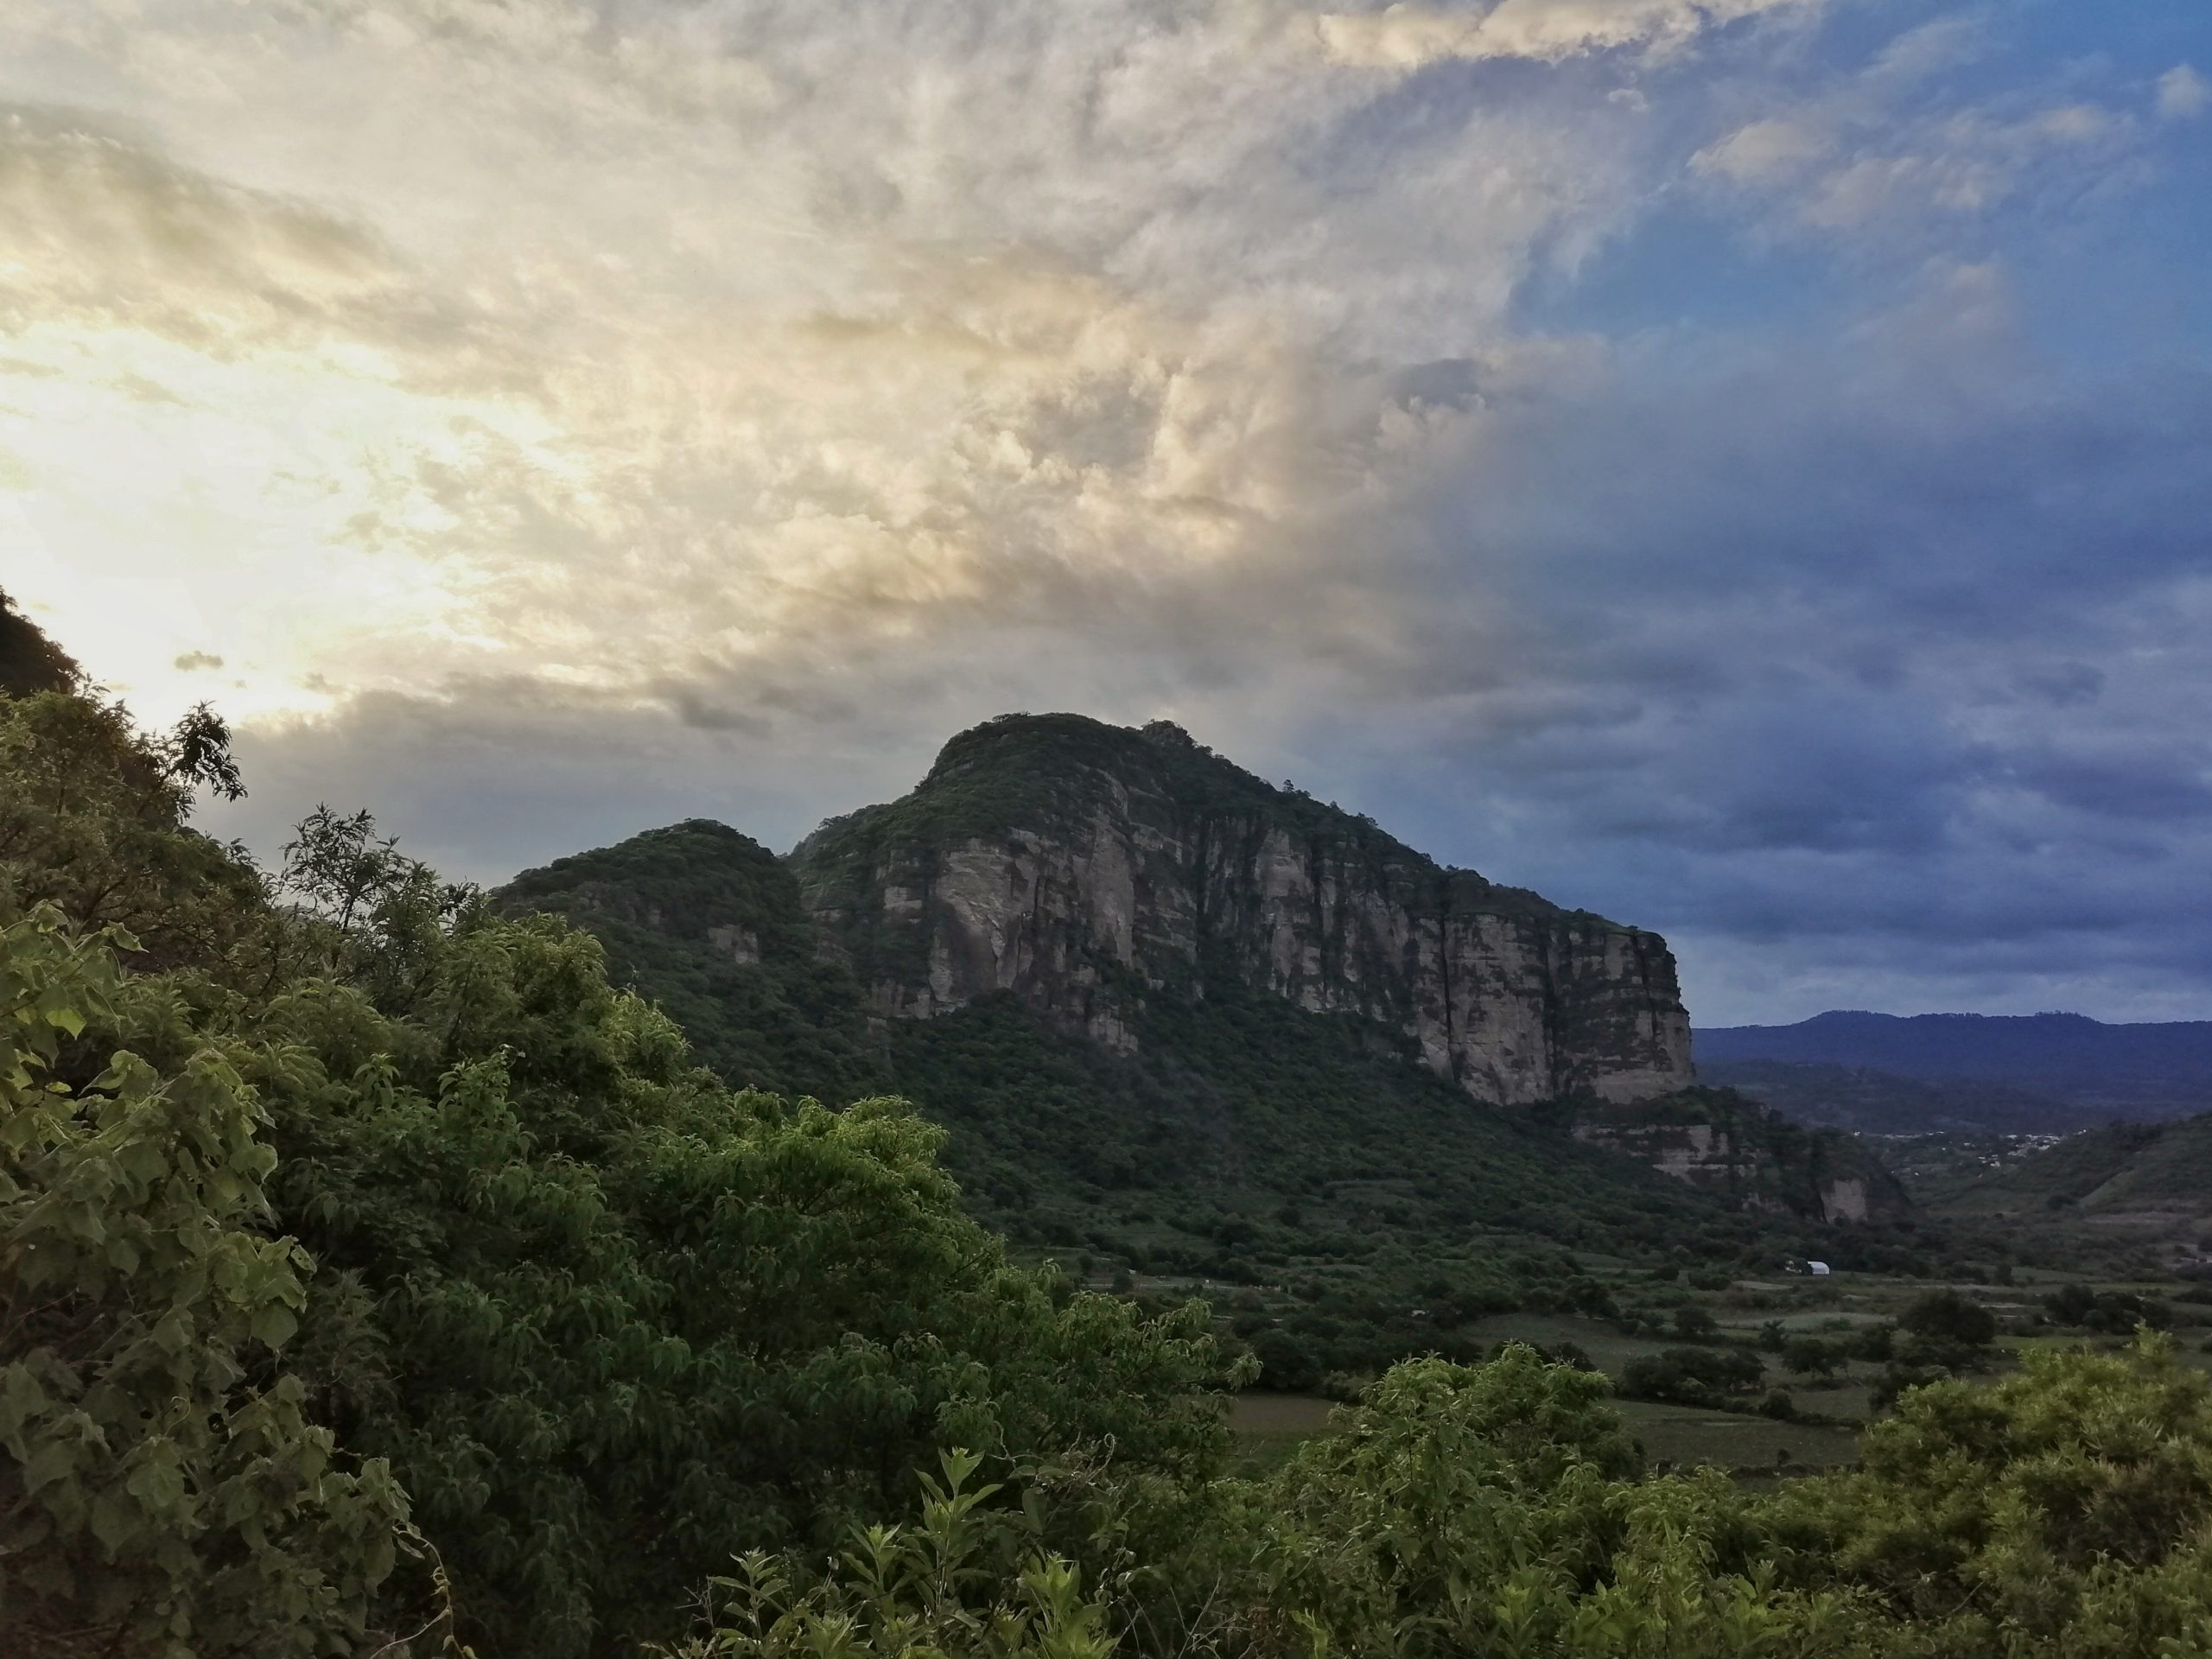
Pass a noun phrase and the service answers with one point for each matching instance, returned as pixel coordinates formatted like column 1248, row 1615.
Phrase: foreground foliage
column 1501, row 1510
column 604, row 1319
column 162, row 1488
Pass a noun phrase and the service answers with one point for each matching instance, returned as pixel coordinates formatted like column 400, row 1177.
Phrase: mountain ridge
column 2159, row 1070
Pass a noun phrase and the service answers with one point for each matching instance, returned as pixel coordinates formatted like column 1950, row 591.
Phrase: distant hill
column 1868, row 1102
column 2145, row 1176
column 2100, row 1070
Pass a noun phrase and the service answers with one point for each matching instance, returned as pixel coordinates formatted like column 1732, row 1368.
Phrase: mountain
column 1173, row 1016
column 2103, row 1071
column 1084, row 868
column 1868, row 1102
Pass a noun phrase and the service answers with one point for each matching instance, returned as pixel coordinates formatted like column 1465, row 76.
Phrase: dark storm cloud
column 1893, row 656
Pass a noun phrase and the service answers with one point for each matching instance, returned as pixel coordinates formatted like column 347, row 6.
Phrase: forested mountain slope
column 378, row 1279
column 1238, row 1132
column 1215, row 1069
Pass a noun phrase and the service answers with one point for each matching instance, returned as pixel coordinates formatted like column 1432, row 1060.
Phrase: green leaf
column 274, row 1324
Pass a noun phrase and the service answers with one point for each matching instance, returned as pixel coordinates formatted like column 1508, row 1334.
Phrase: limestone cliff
column 1732, row 1146
column 1085, row 866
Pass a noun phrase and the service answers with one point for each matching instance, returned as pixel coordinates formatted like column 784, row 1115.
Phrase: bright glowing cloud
column 1407, row 37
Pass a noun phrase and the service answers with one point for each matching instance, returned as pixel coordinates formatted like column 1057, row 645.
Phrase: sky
column 1741, row 465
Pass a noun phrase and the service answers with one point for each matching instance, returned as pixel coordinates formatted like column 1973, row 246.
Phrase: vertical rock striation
column 1083, row 868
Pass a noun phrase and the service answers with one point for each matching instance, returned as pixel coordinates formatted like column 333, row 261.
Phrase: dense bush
column 1501, row 1510
column 1949, row 1317
column 2113, row 1312
column 1692, row 1376
column 162, row 1489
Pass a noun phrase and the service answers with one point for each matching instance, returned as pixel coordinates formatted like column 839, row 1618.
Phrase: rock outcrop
column 1732, row 1146
column 1084, row 868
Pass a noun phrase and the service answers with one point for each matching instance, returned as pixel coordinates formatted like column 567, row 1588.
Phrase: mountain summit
column 1085, row 868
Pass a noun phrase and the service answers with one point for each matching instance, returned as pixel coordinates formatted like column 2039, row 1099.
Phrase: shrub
column 1950, row 1316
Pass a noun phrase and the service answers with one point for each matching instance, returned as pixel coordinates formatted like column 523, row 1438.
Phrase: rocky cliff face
column 1085, row 866
column 1732, row 1146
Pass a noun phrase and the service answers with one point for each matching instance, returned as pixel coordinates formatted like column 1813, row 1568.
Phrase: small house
column 1818, row 1270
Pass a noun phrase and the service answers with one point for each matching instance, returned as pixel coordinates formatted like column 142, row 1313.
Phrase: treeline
column 376, row 1278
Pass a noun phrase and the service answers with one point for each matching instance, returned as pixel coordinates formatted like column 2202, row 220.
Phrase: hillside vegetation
column 1240, row 1140
column 2148, row 1174
column 1865, row 1101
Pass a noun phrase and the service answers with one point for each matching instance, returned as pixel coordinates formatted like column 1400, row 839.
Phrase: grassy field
column 1681, row 1435
column 1269, row 1427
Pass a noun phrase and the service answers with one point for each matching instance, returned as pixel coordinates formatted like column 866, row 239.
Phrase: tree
column 1286, row 1362
column 1810, row 1357
column 1691, row 1377
column 30, row 662
column 1694, row 1324
column 162, row 1488
column 621, row 1319
column 2061, row 1510
column 92, row 822
column 1950, row 1316
column 1495, row 1510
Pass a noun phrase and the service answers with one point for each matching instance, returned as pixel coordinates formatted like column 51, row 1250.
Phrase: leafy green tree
column 162, row 1489
column 1950, row 1317
column 1694, row 1324
column 2066, row 1510
column 621, row 1321
column 1493, row 1509
column 1692, row 1376
column 30, row 662
column 1286, row 1362
column 1811, row 1357
column 91, row 821
column 606, row 1320
column 2113, row 1312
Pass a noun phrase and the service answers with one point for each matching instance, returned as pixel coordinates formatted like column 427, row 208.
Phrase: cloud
column 2183, row 93
column 1763, row 151
column 1406, row 37
column 564, row 417
column 106, row 230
